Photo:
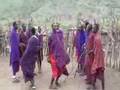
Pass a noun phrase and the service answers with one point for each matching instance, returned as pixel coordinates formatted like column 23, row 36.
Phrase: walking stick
column 84, row 52
column 78, row 66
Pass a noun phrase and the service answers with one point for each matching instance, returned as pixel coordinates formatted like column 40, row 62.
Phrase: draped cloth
column 58, row 56
column 98, row 67
column 29, row 58
column 14, row 54
column 95, row 58
column 98, row 54
column 55, row 71
column 79, row 44
column 89, row 55
column 60, row 36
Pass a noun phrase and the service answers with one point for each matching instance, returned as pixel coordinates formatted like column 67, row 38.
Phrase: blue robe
column 79, row 43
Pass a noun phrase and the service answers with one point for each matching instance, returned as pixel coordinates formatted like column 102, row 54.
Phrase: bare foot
column 82, row 74
column 88, row 83
column 58, row 84
column 52, row 87
column 35, row 74
column 94, row 87
column 33, row 86
column 15, row 80
column 39, row 71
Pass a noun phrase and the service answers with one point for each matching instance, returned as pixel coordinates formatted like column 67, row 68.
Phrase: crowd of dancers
column 26, row 48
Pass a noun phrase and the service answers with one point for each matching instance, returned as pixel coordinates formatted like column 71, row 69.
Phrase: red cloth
column 55, row 70
column 98, row 75
column 89, row 46
column 89, row 56
column 98, row 54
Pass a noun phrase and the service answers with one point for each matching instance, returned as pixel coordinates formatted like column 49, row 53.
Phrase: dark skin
column 39, row 29
column 55, row 27
column 80, row 28
column 96, row 28
column 24, row 27
column 15, row 25
column 40, row 63
column 89, row 28
column 86, row 24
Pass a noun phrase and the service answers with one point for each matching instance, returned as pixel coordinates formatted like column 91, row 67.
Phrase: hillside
column 57, row 10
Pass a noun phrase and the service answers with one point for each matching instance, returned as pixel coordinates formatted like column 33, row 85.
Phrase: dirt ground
column 112, row 78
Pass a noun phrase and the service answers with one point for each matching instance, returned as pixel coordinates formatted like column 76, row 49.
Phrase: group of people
column 90, row 54
column 27, row 49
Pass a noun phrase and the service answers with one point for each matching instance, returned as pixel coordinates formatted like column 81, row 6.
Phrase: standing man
column 23, row 40
column 29, row 58
column 28, row 32
column 40, row 53
column 58, row 56
column 89, row 53
column 98, row 66
column 79, row 43
column 14, row 54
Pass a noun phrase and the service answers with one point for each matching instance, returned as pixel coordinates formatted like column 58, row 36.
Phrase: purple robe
column 14, row 54
column 60, row 35
column 56, row 47
column 29, row 58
